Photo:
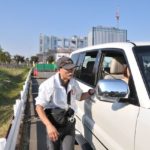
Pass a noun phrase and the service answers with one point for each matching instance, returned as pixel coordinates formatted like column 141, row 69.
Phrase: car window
column 85, row 71
column 142, row 54
column 75, row 58
column 114, row 65
column 77, row 73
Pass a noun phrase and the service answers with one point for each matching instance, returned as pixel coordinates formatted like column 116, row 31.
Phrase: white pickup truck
column 117, row 117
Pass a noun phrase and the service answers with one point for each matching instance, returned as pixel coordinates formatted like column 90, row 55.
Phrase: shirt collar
column 61, row 81
column 58, row 82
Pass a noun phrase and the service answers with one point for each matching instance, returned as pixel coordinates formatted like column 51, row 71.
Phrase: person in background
column 54, row 94
column 126, row 74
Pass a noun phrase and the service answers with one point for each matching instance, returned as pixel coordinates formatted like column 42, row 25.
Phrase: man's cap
column 65, row 62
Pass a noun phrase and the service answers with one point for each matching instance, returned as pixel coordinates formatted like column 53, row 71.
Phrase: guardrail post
column 2, row 143
column 16, row 106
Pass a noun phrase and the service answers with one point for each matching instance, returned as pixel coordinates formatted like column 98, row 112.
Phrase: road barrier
column 9, row 143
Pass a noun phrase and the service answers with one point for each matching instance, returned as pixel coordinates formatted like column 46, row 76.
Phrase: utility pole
column 117, row 17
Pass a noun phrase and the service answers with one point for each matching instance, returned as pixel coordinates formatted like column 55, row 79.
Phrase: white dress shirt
column 52, row 94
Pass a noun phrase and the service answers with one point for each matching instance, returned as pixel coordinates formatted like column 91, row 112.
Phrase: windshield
column 142, row 54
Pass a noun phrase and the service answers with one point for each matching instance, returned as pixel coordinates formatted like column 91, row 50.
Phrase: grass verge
column 11, row 83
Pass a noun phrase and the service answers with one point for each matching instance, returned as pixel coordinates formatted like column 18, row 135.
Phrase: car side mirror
column 111, row 90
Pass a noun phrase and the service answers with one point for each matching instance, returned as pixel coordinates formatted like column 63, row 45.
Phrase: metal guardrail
column 9, row 143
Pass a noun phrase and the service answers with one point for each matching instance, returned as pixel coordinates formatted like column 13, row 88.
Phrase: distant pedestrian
column 56, row 104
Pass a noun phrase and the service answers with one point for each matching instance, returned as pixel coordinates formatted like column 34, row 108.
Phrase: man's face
column 66, row 74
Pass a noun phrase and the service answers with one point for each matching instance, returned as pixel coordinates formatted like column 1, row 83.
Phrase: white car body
column 116, row 125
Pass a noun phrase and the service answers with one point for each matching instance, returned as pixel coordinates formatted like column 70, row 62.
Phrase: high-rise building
column 47, row 43
column 53, row 43
column 78, row 42
column 44, row 43
column 99, row 35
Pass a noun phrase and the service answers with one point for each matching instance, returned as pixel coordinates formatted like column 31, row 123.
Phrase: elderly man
column 57, row 100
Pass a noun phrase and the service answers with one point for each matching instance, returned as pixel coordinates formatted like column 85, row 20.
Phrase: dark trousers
column 66, row 138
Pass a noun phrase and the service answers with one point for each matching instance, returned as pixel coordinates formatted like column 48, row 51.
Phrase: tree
column 5, row 57
column 19, row 59
column 50, row 59
column 34, row 59
column 1, row 54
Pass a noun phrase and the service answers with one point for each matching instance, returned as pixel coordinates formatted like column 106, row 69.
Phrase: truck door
column 114, row 122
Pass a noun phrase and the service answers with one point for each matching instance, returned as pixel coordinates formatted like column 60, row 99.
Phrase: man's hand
column 52, row 133
column 91, row 92
column 87, row 95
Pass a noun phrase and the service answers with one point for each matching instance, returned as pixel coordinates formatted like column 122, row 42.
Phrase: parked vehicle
column 118, row 115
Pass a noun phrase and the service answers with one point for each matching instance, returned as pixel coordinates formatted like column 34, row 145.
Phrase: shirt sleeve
column 44, row 95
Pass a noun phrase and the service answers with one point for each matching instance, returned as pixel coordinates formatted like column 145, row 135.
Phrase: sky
column 22, row 21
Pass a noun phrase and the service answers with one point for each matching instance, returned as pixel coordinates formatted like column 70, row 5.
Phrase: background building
column 52, row 43
column 62, row 52
column 47, row 43
column 57, row 46
column 99, row 35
